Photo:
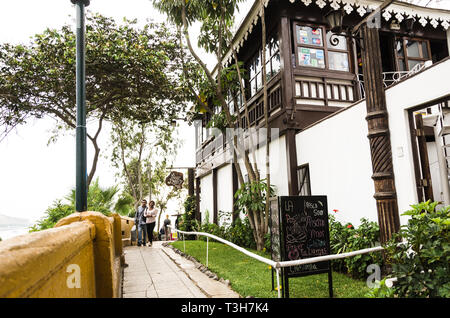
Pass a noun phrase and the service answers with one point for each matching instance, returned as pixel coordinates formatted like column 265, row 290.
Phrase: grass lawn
column 250, row 277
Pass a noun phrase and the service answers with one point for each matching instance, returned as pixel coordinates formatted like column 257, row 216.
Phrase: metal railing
column 390, row 78
column 276, row 265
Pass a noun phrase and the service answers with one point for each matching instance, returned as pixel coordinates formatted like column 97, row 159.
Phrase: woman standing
column 150, row 215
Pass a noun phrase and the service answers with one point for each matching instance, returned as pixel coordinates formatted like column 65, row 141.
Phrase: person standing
column 167, row 228
column 140, row 222
column 151, row 221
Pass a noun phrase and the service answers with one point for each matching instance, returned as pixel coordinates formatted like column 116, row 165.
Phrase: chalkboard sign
column 274, row 225
column 305, row 233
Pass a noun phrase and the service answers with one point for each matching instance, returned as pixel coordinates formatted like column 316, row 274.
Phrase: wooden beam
column 191, row 182
column 383, row 6
column 286, row 66
column 215, row 211
column 291, row 156
column 197, row 200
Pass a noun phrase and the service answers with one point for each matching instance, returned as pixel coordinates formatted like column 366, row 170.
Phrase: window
column 313, row 52
column 273, row 65
column 310, row 42
column 230, row 102
column 338, row 55
column 304, row 184
column 411, row 52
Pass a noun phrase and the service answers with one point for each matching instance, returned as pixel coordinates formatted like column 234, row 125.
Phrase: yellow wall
column 127, row 224
column 80, row 257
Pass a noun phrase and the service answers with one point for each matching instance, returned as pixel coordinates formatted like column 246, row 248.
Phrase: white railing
column 390, row 78
column 276, row 265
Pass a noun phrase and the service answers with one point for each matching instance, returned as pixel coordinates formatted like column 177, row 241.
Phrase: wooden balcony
column 215, row 150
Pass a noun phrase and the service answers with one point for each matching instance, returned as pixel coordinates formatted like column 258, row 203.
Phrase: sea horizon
column 11, row 231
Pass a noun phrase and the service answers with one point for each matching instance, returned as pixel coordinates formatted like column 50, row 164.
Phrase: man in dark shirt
column 140, row 222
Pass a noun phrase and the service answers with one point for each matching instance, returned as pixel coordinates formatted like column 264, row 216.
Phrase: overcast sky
column 32, row 174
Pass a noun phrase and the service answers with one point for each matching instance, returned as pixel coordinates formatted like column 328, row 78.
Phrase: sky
column 32, row 173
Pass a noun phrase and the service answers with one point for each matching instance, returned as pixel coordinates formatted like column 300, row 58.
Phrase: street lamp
column 81, row 188
column 334, row 19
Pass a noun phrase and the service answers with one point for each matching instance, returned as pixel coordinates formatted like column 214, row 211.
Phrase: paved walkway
column 159, row 272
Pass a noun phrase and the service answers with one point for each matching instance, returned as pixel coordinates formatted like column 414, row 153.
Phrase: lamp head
column 85, row 2
column 409, row 24
column 334, row 19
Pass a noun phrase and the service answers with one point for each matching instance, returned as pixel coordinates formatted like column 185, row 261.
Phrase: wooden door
column 424, row 181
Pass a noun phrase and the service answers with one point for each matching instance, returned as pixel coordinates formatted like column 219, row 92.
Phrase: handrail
column 278, row 265
column 243, row 250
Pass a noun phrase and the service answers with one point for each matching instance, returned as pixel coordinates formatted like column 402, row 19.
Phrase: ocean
column 10, row 231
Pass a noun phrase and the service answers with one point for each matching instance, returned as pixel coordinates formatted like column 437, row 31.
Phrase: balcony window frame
column 258, row 71
column 324, row 47
column 405, row 56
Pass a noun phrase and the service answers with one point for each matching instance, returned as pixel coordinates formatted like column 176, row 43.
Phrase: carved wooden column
column 191, row 181
column 379, row 137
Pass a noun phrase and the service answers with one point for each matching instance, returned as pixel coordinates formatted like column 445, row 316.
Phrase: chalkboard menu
column 305, row 233
column 274, row 225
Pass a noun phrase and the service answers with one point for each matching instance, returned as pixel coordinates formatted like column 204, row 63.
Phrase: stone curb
column 199, row 265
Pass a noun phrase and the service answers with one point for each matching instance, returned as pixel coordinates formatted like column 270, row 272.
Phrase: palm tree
column 99, row 200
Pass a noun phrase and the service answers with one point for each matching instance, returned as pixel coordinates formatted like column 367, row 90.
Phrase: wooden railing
column 324, row 91
column 217, row 145
column 256, row 108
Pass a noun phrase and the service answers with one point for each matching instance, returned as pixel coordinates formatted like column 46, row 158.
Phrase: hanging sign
column 175, row 179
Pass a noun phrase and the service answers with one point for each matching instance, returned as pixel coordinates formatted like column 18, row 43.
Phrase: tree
column 131, row 74
column 135, row 147
column 99, row 200
column 216, row 18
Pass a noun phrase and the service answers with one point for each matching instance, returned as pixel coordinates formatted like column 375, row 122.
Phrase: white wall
column 277, row 162
column 278, row 169
column 338, row 153
column 225, row 190
column 206, row 197
column 427, row 86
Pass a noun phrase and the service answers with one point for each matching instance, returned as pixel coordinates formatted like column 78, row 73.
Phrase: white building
column 317, row 105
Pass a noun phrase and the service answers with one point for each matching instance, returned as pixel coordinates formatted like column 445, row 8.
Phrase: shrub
column 422, row 264
column 381, row 291
column 240, row 233
column 187, row 221
column 347, row 238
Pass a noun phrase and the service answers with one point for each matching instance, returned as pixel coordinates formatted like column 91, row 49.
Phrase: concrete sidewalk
column 158, row 272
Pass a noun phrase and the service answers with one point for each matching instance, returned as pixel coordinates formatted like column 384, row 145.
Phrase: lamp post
column 81, row 188
column 377, row 120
